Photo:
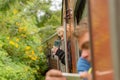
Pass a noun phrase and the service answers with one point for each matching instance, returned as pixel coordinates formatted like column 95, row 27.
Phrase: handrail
column 49, row 38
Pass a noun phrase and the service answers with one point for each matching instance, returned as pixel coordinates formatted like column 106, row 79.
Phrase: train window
column 85, row 11
column 79, row 9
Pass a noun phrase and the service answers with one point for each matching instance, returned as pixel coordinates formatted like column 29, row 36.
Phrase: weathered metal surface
column 102, row 59
column 53, row 64
column 71, row 5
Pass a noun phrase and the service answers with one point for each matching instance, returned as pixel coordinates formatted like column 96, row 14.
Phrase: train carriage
column 103, row 18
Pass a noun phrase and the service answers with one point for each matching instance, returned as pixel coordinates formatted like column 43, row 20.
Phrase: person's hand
column 54, row 75
column 54, row 49
column 86, row 75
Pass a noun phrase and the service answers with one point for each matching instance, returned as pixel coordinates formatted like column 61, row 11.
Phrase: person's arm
column 61, row 55
column 54, row 75
column 86, row 75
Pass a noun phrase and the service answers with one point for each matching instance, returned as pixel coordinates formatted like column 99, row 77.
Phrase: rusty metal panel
column 53, row 64
column 100, row 33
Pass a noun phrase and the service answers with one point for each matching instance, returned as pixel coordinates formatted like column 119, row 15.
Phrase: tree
column 24, row 24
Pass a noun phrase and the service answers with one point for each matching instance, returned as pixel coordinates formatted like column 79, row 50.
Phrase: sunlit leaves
column 24, row 26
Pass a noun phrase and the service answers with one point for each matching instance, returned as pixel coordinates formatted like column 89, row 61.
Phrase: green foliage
column 22, row 32
column 10, row 70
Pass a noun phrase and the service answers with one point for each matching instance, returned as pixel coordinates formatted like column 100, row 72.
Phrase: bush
column 10, row 70
column 21, row 58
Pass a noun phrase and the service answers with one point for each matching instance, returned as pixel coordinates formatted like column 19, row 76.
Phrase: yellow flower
column 20, row 29
column 24, row 29
column 11, row 42
column 16, row 45
column 15, row 11
column 33, row 52
column 8, row 38
column 34, row 58
column 27, row 48
column 17, row 39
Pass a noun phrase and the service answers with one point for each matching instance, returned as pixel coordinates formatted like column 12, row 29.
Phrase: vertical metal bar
column 115, row 32
column 65, row 41
column 65, row 35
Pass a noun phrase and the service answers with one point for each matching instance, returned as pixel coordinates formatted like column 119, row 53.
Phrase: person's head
column 60, row 32
column 82, row 34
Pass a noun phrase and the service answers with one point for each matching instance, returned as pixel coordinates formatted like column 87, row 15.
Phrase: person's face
column 84, row 45
column 61, row 35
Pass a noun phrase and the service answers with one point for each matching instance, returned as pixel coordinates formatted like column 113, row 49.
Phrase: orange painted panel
column 102, row 59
